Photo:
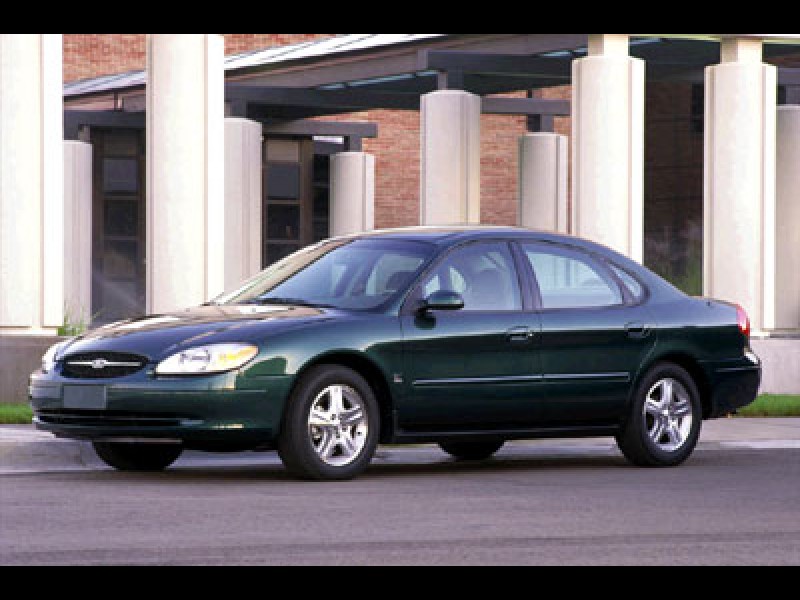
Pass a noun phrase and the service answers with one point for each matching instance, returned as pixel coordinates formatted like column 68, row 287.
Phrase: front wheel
column 137, row 457
column 330, row 430
column 663, row 427
column 472, row 451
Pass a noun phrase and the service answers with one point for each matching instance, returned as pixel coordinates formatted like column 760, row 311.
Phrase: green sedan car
column 464, row 337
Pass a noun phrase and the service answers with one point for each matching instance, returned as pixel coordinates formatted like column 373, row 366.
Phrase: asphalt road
column 559, row 507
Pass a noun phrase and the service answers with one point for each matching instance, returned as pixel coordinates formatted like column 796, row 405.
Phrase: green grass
column 15, row 414
column 773, row 406
column 764, row 406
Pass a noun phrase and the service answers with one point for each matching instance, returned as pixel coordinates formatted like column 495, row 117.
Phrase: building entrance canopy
column 391, row 71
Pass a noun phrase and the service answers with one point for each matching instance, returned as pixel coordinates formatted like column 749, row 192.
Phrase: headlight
column 49, row 358
column 207, row 359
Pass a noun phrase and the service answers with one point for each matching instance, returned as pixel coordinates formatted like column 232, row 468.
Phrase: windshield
column 352, row 274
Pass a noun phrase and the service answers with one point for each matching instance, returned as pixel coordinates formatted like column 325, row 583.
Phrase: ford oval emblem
column 99, row 364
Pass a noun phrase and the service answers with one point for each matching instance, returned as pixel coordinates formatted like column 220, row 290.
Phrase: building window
column 296, row 195
column 322, row 191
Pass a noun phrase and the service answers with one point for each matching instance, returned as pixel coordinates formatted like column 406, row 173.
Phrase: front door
column 593, row 338
column 475, row 368
column 118, row 224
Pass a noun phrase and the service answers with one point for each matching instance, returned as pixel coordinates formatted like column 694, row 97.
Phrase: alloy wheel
column 338, row 426
column 668, row 415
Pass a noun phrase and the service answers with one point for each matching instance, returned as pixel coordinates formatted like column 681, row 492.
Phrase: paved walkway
column 23, row 449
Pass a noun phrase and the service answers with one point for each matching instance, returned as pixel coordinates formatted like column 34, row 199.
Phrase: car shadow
column 272, row 472
column 495, row 465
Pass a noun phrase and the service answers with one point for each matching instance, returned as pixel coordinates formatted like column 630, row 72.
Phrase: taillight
column 743, row 321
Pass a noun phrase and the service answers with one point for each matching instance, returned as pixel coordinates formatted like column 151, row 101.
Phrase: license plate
column 85, row 397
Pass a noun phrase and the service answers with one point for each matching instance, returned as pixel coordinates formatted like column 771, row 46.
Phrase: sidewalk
column 23, row 449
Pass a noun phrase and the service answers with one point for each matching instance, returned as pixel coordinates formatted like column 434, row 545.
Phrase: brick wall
column 397, row 167
column 236, row 43
column 499, row 168
column 92, row 55
column 95, row 54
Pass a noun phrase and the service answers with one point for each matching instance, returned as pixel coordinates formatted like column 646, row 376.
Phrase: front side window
column 482, row 273
column 353, row 275
column 568, row 280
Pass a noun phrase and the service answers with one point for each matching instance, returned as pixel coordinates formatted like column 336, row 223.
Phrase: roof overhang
column 358, row 72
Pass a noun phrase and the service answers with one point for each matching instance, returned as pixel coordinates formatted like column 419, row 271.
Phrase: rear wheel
column 330, row 431
column 137, row 457
column 472, row 450
column 666, row 416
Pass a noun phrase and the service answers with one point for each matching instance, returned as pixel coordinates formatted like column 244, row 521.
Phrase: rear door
column 595, row 334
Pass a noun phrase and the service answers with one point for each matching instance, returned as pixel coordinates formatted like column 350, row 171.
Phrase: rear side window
column 634, row 287
column 568, row 280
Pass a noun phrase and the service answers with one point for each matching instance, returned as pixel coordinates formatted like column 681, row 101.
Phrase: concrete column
column 185, row 167
column 243, row 149
column 450, row 158
column 608, row 145
column 739, row 240
column 31, row 184
column 352, row 193
column 78, row 231
column 787, row 213
column 543, row 173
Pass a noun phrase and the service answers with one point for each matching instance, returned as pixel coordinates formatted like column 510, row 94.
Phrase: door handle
column 520, row 334
column 637, row 331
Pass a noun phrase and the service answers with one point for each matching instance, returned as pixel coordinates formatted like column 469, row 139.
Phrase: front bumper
column 221, row 409
column 734, row 384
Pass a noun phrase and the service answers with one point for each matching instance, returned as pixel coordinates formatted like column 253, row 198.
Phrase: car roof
column 455, row 234
column 448, row 236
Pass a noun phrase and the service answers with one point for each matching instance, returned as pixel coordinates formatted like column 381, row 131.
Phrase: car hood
column 158, row 336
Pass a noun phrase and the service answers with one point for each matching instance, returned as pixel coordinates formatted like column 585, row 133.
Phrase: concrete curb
column 24, row 450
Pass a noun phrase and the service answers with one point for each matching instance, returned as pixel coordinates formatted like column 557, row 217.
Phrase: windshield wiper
column 287, row 302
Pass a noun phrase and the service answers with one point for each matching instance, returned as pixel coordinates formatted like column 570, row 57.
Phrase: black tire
column 472, row 451
column 296, row 443
column 137, row 457
column 635, row 440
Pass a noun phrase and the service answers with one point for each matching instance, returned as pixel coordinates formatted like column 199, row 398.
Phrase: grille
column 109, row 419
column 102, row 365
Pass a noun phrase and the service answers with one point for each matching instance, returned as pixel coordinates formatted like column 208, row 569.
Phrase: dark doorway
column 673, row 192
column 118, row 224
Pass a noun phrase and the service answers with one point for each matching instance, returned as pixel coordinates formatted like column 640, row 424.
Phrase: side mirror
column 442, row 300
